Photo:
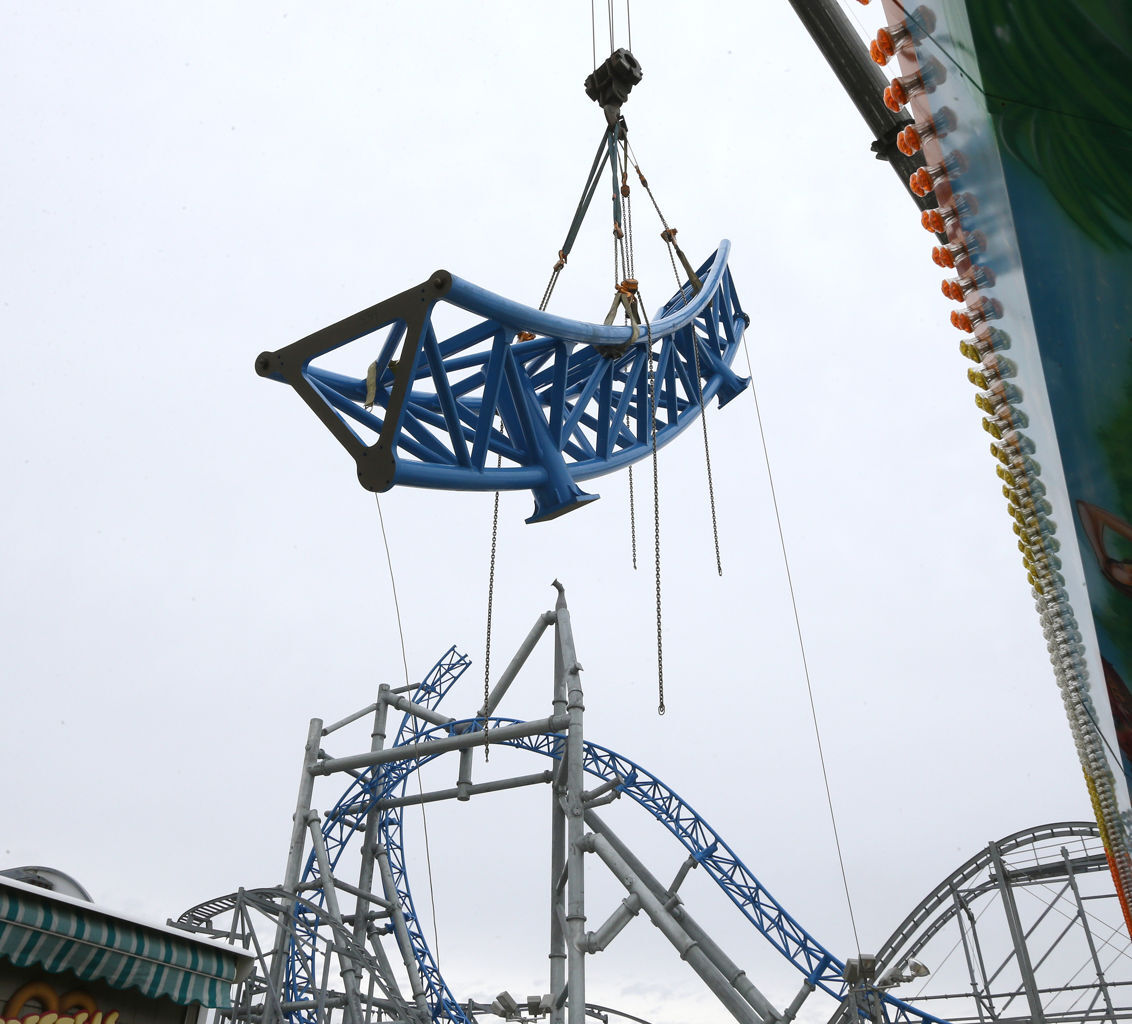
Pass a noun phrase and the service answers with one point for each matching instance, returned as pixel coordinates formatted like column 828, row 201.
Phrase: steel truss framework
column 1028, row 929
column 552, row 401
column 328, row 962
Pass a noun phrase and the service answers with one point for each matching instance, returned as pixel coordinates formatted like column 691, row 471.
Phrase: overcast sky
column 192, row 570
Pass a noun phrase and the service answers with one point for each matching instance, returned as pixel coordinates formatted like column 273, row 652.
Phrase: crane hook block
column 512, row 398
column 610, row 83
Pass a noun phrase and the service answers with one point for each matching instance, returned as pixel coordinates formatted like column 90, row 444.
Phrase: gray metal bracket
column 377, row 462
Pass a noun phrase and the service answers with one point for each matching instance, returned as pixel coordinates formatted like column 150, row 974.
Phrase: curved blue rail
column 552, row 401
column 820, row 967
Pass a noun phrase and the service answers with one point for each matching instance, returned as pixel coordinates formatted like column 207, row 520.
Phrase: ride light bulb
column 1039, row 506
column 1013, row 419
column 1038, row 527
column 1019, row 446
column 939, row 220
column 993, row 368
column 1023, row 469
column 978, row 312
column 1053, row 580
column 992, row 339
column 927, row 179
column 1056, row 582
column 1031, row 488
column 1064, row 636
column 954, row 253
column 911, row 140
column 999, row 391
column 1007, row 415
column 936, row 221
column 1058, row 618
column 920, row 23
column 900, row 90
column 1005, row 432
column 958, row 288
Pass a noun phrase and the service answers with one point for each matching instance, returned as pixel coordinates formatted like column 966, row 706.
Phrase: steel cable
column 802, row 649
column 405, row 663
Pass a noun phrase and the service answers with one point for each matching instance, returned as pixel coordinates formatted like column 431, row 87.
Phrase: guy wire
column 802, row 649
column 405, row 663
column 393, row 586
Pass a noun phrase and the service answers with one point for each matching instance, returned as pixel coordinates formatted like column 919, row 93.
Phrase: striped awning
column 55, row 933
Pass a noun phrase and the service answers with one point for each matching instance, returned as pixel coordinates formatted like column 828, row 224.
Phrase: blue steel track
column 556, row 401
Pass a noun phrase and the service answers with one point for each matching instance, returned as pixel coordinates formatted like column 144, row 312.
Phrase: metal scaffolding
column 341, row 940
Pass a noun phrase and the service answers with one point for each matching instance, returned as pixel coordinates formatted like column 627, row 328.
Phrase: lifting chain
column 707, row 453
column 629, row 269
column 668, row 236
column 490, row 602
column 632, row 519
column 660, row 708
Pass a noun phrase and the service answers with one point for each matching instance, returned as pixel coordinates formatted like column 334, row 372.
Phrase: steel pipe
column 685, row 945
column 401, row 933
column 569, row 678
column 416, row 710
column 460, row 741
column 516, row 663
column 627, row 909
column 726, row 966
column 292, row 871
column 346, row 964
column 458, row 793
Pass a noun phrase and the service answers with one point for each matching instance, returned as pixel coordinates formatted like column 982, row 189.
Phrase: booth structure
column 64, row 960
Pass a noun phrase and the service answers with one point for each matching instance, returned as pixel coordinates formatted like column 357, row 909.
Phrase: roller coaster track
column 820, row 967
column 558, row 401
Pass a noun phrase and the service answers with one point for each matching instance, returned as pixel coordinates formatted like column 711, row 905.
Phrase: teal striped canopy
column 60, row 934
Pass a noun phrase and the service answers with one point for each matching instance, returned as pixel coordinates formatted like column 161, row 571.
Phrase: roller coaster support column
column 736, row 977
column 863, row 998
column 516, row 663
column 330, row 893
column 687, row 947
column 569, row 671
column 558, row 859
column 1025, row 967
column 373, row 820
column 368, row 852
column 401, row 933
column 273, row 1012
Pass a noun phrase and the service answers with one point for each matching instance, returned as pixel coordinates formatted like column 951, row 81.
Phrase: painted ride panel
column 1025, row 120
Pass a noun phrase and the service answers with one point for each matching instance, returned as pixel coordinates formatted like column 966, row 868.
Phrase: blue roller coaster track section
column 521, row 398
column 820, row 968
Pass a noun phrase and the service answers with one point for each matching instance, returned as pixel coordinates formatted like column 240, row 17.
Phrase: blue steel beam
column 560, row 401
